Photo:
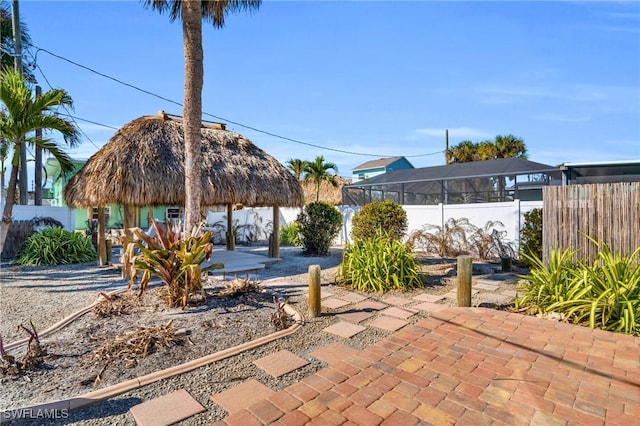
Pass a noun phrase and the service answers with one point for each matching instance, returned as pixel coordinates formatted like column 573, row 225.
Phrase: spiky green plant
column 377, row 264
column 604, row 294
column 290, row 235
column 176, row 261
column 55, row 246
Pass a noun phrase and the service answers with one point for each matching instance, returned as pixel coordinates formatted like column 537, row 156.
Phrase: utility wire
column 65, row 108
column 255, row 129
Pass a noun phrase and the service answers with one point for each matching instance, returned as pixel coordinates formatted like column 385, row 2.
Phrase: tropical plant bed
column 126, row 337
column 70, row 369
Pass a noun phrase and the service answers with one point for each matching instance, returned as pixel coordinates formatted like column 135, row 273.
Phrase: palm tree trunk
column 317, row 190
column 8, row 206
column 192, row 110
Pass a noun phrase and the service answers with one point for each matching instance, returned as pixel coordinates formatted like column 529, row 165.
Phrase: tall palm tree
column 192, row 13
column 464, row 152
column 318, row 171
column 510, row 146
column 20, row 115
column 296, row 166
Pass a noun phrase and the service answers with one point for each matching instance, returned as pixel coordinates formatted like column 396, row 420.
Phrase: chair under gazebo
column 142, row 165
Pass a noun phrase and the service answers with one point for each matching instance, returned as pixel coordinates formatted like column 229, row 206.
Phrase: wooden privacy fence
column 608, row 212
column 19, row 231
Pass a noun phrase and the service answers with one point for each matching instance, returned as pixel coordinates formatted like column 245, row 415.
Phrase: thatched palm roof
column 143, row 165
column 330, row 194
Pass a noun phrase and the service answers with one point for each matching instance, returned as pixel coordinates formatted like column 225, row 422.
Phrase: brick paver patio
column 468, row 366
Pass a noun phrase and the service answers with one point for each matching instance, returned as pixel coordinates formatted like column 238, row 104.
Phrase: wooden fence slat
column 608, row 212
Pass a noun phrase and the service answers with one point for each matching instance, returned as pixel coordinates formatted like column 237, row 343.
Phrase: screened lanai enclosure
column 504, row 179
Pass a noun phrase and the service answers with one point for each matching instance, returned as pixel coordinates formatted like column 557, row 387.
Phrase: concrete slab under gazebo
column 143, row 165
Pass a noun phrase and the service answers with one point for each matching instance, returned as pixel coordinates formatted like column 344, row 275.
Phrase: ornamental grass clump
column 377, row 264
column 604, row 294
column 55, row 246
column 176, row 261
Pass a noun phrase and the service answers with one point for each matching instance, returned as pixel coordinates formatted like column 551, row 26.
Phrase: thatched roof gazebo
column 143, row 165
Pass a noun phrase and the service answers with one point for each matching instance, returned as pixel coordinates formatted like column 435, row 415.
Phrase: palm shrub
column 290, row 234
column 55, row 246
column 452, row 239
column 531, row 235
column 320, row 224
column 176, row 261
column 604, row 294
column 385, row 216
column 377, row 264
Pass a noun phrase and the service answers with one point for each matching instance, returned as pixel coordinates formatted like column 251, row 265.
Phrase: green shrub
column 55, row 246
column 377, row 264
column 385, row 216
column 605, row 294
column 290, row 234
column 531, row 236
column 176, row 261
column 320, row 224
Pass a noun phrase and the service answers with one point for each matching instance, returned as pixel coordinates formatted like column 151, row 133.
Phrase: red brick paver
column 471, row 366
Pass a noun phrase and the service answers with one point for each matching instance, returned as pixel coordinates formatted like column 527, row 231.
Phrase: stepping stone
column 280, row 363
column 509, row 293
column 398, row 301
column 388, row 323
column 369, row 306
column 433, row 298
column 431, row 307
column 242, row 396
column 353, row 297
column 344, row 329
column 167, row 409
column 355, row 316
column 451, row 295
column 334, row 352
column 398, row 312
column 325, row 294
column 333, row 303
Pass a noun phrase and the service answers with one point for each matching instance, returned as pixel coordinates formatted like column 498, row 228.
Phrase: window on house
column 361, row 176
column 173, row 213
column 94, row 212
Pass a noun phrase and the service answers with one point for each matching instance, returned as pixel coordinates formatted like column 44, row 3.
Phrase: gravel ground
column 58, row 292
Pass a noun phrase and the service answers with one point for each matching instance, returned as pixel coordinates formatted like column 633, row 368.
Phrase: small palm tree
column 21, row 114
column 318, row 171
column 296, row 166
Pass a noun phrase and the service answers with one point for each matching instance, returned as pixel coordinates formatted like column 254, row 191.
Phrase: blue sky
column 381, row 78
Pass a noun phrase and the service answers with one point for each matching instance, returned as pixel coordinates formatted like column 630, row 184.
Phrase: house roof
column 488, row 168
column 374, row 164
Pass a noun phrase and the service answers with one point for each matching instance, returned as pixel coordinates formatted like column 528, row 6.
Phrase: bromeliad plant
column 377, row 264
column 176, row 261
column 604, row 294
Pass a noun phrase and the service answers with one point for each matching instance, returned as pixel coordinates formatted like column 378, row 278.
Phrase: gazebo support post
column 231, row 238
column 275, row 234
column 102, row 241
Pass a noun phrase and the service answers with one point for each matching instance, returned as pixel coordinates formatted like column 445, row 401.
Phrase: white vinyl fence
column 511, row 214
column 65, row 215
